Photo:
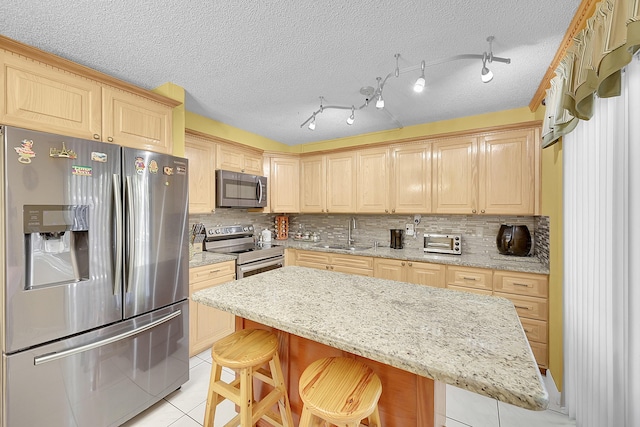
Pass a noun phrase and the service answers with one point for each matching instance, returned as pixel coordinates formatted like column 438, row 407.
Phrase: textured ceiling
column 262, row 66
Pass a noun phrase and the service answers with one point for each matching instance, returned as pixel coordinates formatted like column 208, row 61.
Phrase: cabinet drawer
column 477, row 278
column 352, row 270
column 533, row 285
column 213, row 271
column 540, row 353
column 352, row 261
column 312, row 257
column 536, row 330
column 472, row 290
column 528, row 307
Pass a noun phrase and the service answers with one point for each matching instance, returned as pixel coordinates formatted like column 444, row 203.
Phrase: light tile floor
column 185, row 407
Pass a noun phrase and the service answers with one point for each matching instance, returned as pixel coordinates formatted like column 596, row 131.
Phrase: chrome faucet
column 352, row 226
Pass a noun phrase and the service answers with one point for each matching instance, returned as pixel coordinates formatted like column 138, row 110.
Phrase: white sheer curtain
column 602, row 261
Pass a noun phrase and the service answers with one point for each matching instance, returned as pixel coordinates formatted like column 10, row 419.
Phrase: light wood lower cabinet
column 207, row 324
column 470, row 279
column 351, row 264
column 421, row 273
column 529, row 294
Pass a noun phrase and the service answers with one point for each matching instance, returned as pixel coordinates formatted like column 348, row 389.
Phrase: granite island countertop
column 207, row 258
column 471, row 341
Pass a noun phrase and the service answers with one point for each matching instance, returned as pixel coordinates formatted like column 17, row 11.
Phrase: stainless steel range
column 252, row 258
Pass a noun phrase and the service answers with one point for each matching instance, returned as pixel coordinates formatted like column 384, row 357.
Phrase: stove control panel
column 228, row 231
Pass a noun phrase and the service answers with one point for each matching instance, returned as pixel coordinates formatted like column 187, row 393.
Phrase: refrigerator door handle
column 39, row 360
column 131, row 235
column 117, row 201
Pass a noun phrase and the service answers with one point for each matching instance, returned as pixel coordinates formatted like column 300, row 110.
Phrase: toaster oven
column 443, row 243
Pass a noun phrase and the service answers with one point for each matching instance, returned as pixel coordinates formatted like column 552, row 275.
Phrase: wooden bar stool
column 340, row 391
column 247, row 351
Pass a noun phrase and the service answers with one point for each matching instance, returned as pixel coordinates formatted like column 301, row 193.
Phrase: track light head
column 380, row 102
column 419, row 85
column 351, row 118
column 312, row 124
column 486, row 75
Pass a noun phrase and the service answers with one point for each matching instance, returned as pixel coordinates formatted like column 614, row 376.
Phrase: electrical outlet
column 409, row 229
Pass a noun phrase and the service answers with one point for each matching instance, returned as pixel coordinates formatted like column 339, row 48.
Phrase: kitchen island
column 416, row 337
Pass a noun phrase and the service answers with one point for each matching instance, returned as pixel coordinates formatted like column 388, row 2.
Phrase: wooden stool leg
column 283, row 403
column 246, row 397
column 374, row 418
column 212, row 396
column 307, row 419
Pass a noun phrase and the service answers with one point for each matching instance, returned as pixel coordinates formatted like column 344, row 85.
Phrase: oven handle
column 254, row 266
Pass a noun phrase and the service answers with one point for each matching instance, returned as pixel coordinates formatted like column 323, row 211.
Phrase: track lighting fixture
column 370, row 93
column 380, row 101
column 351, row 118
column 419, row 86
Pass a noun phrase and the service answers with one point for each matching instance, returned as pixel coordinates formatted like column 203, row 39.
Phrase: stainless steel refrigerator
column 95, row 280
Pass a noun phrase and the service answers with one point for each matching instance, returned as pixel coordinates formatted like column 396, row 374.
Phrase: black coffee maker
column 397, row 238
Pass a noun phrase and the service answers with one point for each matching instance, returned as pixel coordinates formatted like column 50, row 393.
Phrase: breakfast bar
column 417, row 338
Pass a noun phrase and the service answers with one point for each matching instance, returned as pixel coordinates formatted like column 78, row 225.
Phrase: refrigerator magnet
column 139, row 165
column 63, row 152
column 81, row 170
column 167, row 170
column 181, row 170
column 99, row 157
column 25, row 151
column 153, row 166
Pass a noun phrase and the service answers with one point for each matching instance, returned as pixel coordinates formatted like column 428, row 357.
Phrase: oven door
column 246, row 270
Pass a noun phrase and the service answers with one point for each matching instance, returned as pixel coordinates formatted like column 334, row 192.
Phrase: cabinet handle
column 527, row 330
column 332, row 267
column 110, row 139
column 482, row 211
column 523, row 307
column 386, row 211
column 326, row 266
column 241, row 170
column 214, row 271
column 473, row 211
column 521, row 284
column 327, row 210
column 402, row 264
column 96, row 136
column 469, row 278
column 410, row 264
column 393, row 211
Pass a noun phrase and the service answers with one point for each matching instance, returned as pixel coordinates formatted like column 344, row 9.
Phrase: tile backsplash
column 478, row 231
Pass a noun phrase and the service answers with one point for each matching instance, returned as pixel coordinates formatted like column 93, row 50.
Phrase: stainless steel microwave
column 240, row 190
column 443, row 243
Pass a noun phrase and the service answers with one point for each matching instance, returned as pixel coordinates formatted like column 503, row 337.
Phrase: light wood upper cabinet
column 313, row 184
column 455, row 177
column 372, row 172
column 36, row 96
column 284, row 185
column 411, row 179
column 201, row 155
column 507, row 176
column 341, row 182
column 235, row 158
column 133, row 121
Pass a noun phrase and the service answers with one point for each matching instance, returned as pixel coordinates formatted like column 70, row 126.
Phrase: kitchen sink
column 344, row 247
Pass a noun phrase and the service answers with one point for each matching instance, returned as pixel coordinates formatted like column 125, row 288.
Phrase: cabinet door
column 233, row 158
column 506, row 169
column 252, row 163
column 285, row 185
column 411, row 182
column 35, row 96
column 372, row 190
column 391, row 269
column 133, row 121
column 455, row 185
column 201, row 155
column 313, row 184
column 341, row 182
column 424, row 273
